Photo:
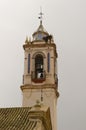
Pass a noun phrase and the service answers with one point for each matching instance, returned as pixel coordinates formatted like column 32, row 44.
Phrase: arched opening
column 38, row 74
column 39, row 66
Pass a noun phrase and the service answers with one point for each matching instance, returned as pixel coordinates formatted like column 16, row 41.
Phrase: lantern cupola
column 40, row 33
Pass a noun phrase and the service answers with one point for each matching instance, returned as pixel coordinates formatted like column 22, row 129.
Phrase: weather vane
column 40, row 15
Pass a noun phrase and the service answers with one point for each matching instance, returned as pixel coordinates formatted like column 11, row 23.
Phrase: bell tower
column 40, row 80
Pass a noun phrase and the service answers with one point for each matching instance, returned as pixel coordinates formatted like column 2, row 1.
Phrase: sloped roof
column 40, row 33
column 41, row 29
column 15, row 119
column 21, row 118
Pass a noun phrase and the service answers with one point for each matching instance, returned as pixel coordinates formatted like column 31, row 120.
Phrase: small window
column 28, row 63
column 48, row 62
column 40, row 37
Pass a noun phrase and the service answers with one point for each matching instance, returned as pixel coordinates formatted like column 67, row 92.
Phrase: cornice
column 40, row 46
column 48, row 86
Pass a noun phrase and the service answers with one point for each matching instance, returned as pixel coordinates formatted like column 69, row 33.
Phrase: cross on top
column 40, row 15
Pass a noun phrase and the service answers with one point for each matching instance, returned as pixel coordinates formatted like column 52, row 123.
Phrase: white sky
column 66, row 20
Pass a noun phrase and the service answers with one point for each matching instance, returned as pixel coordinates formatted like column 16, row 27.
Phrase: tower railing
column 38, row 77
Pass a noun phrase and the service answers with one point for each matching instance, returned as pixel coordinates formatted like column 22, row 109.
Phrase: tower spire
column 40, row 16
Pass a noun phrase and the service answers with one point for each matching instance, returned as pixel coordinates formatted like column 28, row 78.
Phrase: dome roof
column 40, row 33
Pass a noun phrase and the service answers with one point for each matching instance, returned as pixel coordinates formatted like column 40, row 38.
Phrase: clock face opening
column 39, row 36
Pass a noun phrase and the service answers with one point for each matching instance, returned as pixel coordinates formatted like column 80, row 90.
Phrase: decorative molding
column 48, row 86
column 25, row 46
column 39, row 45
column 38, row 52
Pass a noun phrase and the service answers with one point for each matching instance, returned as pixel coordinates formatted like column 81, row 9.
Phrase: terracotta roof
column 15, row 119
column 21, row 118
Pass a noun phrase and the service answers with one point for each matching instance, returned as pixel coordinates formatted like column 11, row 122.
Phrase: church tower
column 40, row 81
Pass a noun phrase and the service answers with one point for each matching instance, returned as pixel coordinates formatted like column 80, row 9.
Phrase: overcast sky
column 66, row 20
